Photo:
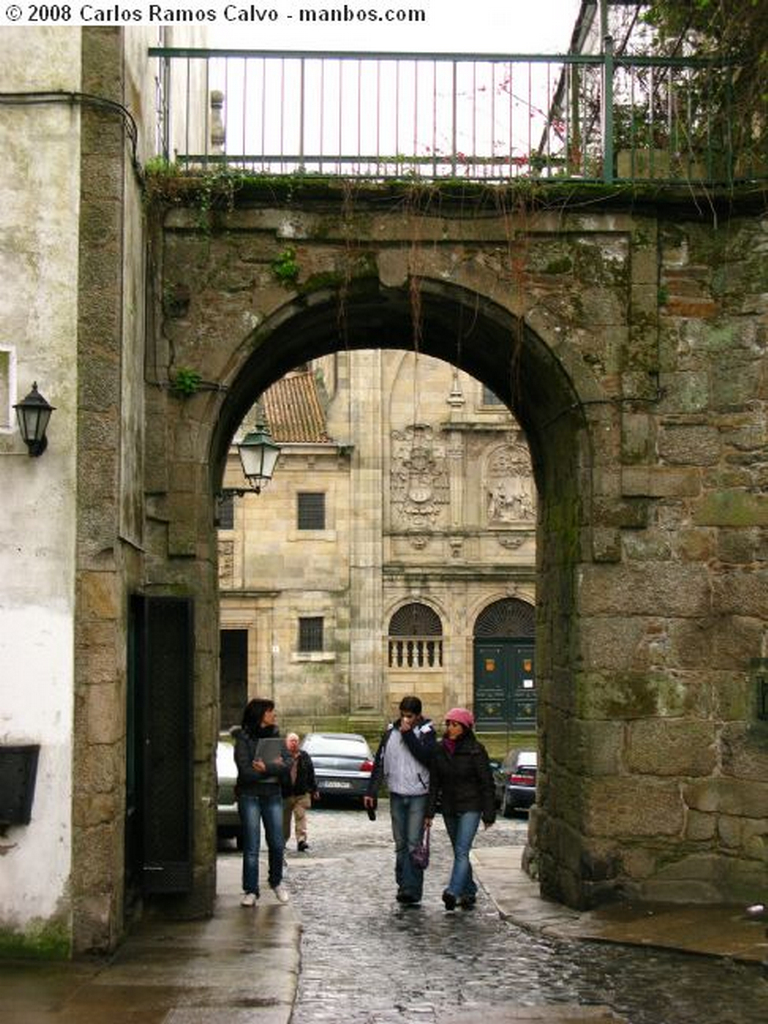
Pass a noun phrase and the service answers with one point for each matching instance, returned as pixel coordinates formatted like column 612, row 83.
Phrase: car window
column 332, row 745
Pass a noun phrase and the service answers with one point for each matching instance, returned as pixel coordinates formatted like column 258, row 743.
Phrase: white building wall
column 38, row 327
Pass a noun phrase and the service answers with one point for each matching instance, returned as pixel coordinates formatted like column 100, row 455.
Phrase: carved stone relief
column 226, row 562
column 510, row 490
column 419, row 481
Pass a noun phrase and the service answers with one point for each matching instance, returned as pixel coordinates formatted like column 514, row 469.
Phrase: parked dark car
column 343, row 763
column 515, row 781
column 227, row 819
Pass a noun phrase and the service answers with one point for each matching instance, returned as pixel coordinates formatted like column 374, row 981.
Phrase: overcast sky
column 458, row 26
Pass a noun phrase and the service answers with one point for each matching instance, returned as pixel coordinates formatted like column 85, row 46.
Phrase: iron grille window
column 415, row 638
column 311, row 510
column 227, row 512
column 508, row 617
column 311, row 634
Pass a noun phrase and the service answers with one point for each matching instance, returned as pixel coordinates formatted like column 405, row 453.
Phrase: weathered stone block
column 742, row 593
column 728, row 796
column 597, row 747
column 648, row 588
column 651, row 545
column 695, row 445
column 669, row 747
column 99, row 595
column 700, row 827
column 695, row 545
column 742, row 756
column 106, row 713
column 625, row 807
column 660, row 482
column 625, row 695
column 637, row 433
column 606, row 545
column 732, row 508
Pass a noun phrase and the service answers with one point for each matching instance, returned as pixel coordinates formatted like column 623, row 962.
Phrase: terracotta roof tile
column 293, row 410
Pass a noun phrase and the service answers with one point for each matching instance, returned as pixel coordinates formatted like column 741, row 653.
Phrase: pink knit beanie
column 462, row 716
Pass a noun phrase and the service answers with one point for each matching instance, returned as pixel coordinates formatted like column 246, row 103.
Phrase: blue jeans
column 407, row 814
column 268, row 809
column 462, row 829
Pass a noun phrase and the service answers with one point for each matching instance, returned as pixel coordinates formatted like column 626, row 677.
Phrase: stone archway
column 500, row 352
column 632, row 712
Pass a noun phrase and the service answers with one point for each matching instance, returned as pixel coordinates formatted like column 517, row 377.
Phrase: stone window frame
column 226, row 512
column 7, row 388
column 411, row 650
column 308, row 518
column 310, row 638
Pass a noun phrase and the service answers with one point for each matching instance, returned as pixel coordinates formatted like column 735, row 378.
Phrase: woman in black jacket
column 262, row 768
column 461, row 780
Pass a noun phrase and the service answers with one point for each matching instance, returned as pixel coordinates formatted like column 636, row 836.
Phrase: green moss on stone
column 561, row 266
column 48, row 941
column 732, row 508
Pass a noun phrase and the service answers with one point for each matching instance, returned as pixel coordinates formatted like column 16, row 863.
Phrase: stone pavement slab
column 714, row 931
column 549, row 1014
column 240, row 967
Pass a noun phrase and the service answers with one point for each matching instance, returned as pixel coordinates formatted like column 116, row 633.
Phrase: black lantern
column 33, row 415
column 258, row 455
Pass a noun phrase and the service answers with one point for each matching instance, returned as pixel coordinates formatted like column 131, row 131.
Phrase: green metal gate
column 504, row 667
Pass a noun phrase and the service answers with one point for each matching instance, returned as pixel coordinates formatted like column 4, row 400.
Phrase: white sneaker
column 248, row 900
column 281, row 893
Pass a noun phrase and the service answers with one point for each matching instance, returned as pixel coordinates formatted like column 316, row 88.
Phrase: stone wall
column 38, row 317
column 631, row 346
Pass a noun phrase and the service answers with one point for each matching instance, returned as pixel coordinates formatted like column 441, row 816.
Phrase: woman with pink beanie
column 461, row 780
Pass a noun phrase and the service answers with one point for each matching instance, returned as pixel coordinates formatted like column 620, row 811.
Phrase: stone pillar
column 366, row 598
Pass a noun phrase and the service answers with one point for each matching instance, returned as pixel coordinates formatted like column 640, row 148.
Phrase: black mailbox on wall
column 18, row 771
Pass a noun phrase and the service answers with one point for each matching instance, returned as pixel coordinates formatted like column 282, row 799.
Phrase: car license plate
column 338, row 785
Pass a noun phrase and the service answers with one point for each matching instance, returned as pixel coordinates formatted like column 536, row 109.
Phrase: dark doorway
column 160, row 755
column 233, row 675
column 504, row 658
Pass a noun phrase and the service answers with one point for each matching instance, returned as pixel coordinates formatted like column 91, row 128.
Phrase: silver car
column 343, row 763
column 227, row 818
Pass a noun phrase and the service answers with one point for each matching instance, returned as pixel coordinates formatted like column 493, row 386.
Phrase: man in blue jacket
column 402, row 760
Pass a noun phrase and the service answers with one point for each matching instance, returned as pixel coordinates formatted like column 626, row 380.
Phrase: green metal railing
column 434, row 116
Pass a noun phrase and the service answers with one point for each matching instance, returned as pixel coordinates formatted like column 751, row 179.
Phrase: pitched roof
column 293, row 410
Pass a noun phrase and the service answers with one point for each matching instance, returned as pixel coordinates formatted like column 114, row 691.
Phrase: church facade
column 395, row 544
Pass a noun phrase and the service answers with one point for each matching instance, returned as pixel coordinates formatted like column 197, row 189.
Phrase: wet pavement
column 366, row 960
column 516, row 957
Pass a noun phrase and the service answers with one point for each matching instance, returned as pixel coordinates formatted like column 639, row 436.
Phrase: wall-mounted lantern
column 33, row 414
column 258, row 457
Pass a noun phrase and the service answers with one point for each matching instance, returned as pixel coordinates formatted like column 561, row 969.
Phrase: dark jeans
column 268, row 809
column 407, row 813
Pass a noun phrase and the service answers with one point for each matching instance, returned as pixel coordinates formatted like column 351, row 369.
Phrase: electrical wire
column 85, row 99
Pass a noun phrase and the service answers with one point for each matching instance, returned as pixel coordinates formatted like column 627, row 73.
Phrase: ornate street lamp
column 33, row 415
column 258, row 455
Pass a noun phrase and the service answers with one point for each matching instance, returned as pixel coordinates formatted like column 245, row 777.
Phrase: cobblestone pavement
column 366, row 960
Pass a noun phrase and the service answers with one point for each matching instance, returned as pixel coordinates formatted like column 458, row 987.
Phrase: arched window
column 508, row 617
column 415, row 638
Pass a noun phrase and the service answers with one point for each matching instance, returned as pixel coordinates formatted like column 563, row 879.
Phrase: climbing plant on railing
column 732, row 106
